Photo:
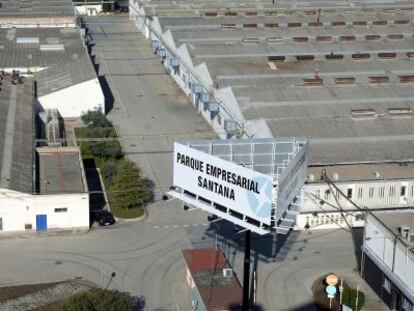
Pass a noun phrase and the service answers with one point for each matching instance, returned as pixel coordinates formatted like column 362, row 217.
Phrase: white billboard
column 233, row 186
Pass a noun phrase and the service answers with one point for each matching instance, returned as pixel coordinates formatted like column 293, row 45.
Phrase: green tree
column 98, row 300
column 129, row 188
column 109, row 171
column 95, row 119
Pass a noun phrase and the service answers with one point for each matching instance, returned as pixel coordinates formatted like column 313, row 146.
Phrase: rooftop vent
column 379, row 79
column 377, row 174
column 333, row 56
column 274, row 39
column 300, row 39
column 52, row 47
column 359, row 23
column 305, row 57
column 250, row 13
column 311, row 177
column 405, row 79
column 314, row 81
column 387, row 55
column 362, row 113
column 27, row 40
column 294, row 25
column 323, row 38
column 347, row 38
column 360, row 56
column 345, row 80
column 230, row 14
column 276, row 58
column 401, row 22
column 379, row 23
column 228, row 26
column 400, row 111
column 249, row 25
column 210, row 14
column 270, row 13
column 372, row 37
column 335, row 176
column 337, row 23
column 395, row 36
column 271, row 25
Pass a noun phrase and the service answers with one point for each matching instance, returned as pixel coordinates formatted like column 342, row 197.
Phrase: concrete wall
column 20, row 209
column 76, row 99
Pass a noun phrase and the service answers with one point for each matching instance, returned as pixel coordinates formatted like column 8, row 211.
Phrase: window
column 392, row 191
column 387, row 285
column 327, row 192
column 322, row 219
column 402, row 191
column 349, row 193
column 317, row 193
column 1, row 224
column 381, row 192
column 61, row 210
column 371, row 192
column 412, row 190
column 359, row 193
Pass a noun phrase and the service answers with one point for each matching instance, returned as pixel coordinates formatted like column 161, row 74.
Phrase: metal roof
column 35, row 8
column 59, row 51
column 309, row 69
column 16, row 135
column 60, row 170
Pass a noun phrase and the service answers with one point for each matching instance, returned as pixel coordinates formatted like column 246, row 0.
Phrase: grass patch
column 13, row 292
column 109, row 158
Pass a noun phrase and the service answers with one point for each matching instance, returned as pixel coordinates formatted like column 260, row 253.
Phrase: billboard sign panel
column 233, row 186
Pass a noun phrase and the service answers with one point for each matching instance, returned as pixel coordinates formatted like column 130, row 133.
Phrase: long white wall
column 319, row 202
column 76, row 99
column 20, row 209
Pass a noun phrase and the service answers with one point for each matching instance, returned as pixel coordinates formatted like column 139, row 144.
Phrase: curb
column 132, row 220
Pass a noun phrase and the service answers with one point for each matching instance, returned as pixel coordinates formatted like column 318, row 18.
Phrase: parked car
column 103, row 217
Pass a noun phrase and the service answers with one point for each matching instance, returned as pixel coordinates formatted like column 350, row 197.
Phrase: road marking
column 156, row 227
column 166, row 226
column 175, row 226
column 205, row 224
column 195, row 225
column 185, row 225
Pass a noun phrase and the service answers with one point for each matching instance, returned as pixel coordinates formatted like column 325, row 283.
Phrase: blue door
column 41, row 222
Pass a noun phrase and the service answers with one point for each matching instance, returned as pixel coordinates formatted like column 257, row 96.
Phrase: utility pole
column 246, row 273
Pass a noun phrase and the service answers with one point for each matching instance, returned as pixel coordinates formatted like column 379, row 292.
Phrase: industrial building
column 339, row 74
column 46, row 75
column 388, row 257
column 373, row 186
column 36, row 42
column 40, row 188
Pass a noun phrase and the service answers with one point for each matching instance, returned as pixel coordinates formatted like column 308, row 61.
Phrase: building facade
column 387, row 262
column 355, row 187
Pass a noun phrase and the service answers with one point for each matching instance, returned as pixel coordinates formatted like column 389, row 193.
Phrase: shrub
column 130, row 189
column 95, row 119
column 105, row 150
column 98, row 300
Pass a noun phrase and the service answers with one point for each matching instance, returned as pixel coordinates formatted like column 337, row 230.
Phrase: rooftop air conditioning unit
column 311, row 177
column 335, row 176
column 228, row 272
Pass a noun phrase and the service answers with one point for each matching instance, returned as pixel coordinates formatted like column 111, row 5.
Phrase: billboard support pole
column 246, row 273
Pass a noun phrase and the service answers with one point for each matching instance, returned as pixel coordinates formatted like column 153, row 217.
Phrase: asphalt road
column 146, row 256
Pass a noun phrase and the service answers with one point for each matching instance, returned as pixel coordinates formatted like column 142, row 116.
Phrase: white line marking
column 166, row 226
column 175, row 226
column 195, row 225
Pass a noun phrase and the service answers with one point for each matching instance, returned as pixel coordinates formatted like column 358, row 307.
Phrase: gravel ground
column 45, row 296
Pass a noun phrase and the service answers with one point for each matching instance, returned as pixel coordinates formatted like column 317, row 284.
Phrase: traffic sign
column 330, row 290
column 331, row 279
